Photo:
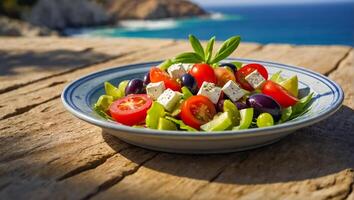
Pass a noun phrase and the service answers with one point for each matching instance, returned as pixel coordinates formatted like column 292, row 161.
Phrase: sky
column 262, row 2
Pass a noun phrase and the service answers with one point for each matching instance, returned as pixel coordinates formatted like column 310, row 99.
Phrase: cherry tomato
column 157, row 75
column 247, row 69
column 283, row 97
column 203, row 72
column 223, row 75
column 197, row 110
column 131, row 109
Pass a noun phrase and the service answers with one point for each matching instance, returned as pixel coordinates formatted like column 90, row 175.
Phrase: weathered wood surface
column 46, row 153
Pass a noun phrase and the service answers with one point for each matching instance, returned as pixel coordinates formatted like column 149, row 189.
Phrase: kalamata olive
column 264, row 103
column 241, row 106
column 190, row 82
column 135, row 86
column 147, row 79
column 220, row 105
column 230, row 65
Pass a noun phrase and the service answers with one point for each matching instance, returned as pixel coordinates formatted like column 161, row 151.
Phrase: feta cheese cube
column 255, row 79
column 233, row 91
column 211, row 91
column 154, row 90
column 176, row 70
column 169, row 98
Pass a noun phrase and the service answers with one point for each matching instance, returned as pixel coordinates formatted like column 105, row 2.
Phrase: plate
column 80, row 95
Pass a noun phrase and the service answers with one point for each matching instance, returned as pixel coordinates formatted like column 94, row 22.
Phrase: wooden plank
column 318, row 58
column 39, row 63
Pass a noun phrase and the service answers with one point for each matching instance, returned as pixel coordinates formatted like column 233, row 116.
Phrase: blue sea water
column 327, row 23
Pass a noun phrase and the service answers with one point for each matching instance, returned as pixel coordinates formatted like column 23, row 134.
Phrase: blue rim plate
column 80, row 95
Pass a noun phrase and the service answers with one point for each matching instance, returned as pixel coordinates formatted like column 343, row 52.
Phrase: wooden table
column 46, row 153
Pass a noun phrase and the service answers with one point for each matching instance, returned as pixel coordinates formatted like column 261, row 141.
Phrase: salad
column 196, row 91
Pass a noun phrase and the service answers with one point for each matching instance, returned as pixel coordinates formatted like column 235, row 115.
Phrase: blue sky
column 262, row 2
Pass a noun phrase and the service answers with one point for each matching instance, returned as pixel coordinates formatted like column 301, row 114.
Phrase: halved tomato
column 223, row 75
column 203, row 72
column 197, row 110
column 280, row 94
column 157, row 75
column 247, row 69
column 130, row 110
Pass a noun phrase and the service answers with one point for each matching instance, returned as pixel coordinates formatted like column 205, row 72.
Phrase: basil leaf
column 209, row 49
column 227, row 48
column 181, row 124
column 300, row 105
column 188, row 57
column 198, row 48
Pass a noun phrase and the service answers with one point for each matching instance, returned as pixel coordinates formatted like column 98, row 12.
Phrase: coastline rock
column 61, row 14
column 152, row 9
column 13, row 27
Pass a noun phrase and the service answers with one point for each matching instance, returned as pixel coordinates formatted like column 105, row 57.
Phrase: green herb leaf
column 209, row 50
column 227, row 48
column 300, row 106
column 188, row 57
column 198, row 48
column 181, row 124
column 165, row 65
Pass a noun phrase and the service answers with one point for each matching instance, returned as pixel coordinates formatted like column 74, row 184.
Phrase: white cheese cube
column 154, row 90
column 211, row 91
column 169, row 98
column 176, row 71
column 233, row 91
column 255, row 79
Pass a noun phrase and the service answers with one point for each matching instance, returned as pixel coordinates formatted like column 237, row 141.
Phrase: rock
column 152, row 9
column 61, row 14
column 13, row 27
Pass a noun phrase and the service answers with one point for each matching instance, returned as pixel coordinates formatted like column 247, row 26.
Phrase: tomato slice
column 157, row 75
column 223, row 75
column 280, row 94
column 197, row 110
column 130, row 110
column 203, row 72
column 247, row 69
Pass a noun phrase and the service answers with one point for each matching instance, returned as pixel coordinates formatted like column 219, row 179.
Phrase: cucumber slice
column 220, row 123
column 246, row 119
column 234, row 113
column 113, row 91
column 155, row 112
column 186, row 93
column 122, row 85
column 165, row 124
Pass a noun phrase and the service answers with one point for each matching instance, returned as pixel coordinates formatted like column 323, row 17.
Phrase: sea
column 320, row 23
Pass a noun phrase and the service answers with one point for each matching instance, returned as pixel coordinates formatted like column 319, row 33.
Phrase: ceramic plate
column 80, row 96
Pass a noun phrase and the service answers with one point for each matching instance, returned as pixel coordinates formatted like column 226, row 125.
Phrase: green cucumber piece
column 165, row 124
column 122, row 85
column 234, row 113
column 155, row 112
column 113, row 91
column 265, row 120
column 186, row 93
column 246, row 119
column 219, row 123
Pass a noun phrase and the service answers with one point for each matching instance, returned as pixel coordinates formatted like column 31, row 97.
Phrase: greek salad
column 196, row 91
